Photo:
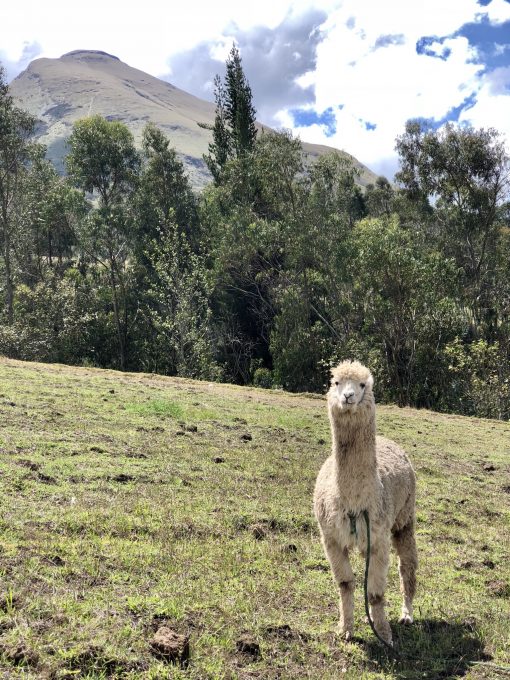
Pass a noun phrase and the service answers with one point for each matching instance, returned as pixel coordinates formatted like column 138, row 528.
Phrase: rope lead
column 367, row 608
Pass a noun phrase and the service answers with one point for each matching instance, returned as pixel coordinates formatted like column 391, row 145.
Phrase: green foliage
column 263, row 377
column 102, row 158
column 478, row 379
column 401, row 292
column 220, row 149
column 467, row 172
column 239, row 111
column 298, row 342
column 334, row 194
column 278, row 162
column 380, row 198
column 52, row 212
column 164, row 191
column 180, row 309
column 16, row 127
column 52, row 321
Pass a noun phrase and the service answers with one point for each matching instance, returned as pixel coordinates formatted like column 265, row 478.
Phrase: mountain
column 86, row 82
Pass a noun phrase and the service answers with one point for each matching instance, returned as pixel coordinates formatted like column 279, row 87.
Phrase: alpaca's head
column 351, row 388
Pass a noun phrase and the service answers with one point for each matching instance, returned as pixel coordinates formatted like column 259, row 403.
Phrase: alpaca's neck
column 354, row 451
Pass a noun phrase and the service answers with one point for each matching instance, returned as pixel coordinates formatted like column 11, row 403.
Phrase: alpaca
column 370, row 473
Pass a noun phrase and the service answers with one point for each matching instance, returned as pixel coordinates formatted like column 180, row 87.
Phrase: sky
column 346, row 73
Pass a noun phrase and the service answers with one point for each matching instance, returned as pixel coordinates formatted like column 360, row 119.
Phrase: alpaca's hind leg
column 377, row 574
column 405, row 545
column 338, row 557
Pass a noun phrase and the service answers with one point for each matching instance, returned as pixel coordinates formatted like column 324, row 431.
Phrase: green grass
column 133, row 501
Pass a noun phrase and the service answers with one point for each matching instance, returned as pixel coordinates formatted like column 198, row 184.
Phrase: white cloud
column 142, row 34
column 492, row 108
column 387, row 86
column 497, row 11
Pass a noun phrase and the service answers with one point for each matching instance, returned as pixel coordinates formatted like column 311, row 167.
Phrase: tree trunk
column 9, row 285
column 116, row 315
column 50, row 251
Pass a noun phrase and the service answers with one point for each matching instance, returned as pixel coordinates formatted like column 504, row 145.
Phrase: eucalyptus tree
column 51, row 213
column 164, row 194
column 182, row 341
column 16, row 129
column 466, row 174
column 103, row 162
column 403, row 310
column 380, row 198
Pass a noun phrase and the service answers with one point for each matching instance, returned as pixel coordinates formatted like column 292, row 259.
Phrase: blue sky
column 347, row 73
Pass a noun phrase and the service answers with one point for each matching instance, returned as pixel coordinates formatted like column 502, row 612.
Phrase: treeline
column 278, row 269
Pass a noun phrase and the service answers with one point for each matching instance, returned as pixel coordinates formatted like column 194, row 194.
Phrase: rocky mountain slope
column 84, row 82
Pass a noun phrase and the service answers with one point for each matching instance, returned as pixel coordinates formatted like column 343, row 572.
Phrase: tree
column 164, row 193
column 220, row 149
column 180, row 307
column 62, row 211
column 239, row 111
column 234, row 131
column 465, row 172
column 403, row 298
column 50, row 214
column 278, row 162
column 379, row 198
column 103, row 161
column 310, row 295
column 16, row 127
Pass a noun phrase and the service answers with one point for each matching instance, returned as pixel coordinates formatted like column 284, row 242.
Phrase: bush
column 50, row 323
column 263, row 377
column 479, row 379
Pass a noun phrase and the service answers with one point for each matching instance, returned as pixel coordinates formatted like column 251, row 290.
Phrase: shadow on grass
column 430, row 648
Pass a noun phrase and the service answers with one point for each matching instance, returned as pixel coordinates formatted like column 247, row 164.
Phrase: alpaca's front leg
column 338, row 557
column 377, row 575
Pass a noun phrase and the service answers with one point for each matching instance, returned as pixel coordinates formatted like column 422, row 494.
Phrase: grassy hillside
column 130, row 502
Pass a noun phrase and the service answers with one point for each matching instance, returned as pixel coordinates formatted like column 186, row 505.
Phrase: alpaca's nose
column 348, row 395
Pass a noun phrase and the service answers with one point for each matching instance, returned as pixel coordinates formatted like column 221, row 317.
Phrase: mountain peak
column 89, row 54
column 82, row 83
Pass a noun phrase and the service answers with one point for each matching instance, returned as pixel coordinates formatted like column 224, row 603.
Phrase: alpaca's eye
column 362, row 385
column 336, row 382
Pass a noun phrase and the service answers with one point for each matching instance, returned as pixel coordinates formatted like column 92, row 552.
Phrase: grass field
column 132, row 502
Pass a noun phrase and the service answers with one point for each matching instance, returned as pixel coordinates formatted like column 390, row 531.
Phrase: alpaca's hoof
column 345, row 633
column 406, row 619
column 387, row 637
column 385, row 633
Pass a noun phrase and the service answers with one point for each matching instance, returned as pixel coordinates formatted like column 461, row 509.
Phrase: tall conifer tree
column 234, row 130
column 240, row 113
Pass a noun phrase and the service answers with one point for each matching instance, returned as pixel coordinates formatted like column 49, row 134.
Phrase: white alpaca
column 370, row 473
